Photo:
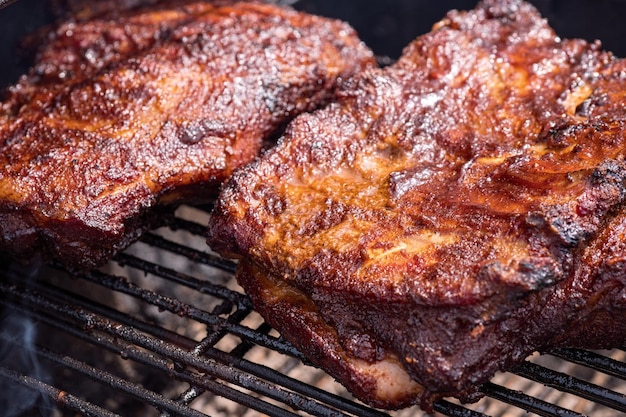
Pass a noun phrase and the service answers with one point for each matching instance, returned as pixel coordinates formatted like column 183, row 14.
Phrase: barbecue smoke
column 17, row 339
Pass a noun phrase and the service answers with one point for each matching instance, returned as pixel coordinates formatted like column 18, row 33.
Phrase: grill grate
column 164, row 330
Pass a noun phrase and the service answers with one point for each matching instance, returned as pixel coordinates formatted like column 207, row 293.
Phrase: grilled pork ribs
column 128, row 113
column 448, row 215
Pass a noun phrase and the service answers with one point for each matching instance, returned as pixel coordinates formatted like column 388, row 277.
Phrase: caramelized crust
column 452, row 211
column 126, row 114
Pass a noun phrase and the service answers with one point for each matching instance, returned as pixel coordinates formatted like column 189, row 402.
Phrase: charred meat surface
column 448, row 215
column 129, row 112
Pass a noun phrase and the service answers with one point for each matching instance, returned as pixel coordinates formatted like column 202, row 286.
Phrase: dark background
column 385, row 25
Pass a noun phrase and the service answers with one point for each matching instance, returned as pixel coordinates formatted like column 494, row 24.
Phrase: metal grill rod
column 454, row 410
column 60, row 397
column 592, row 360
column 526, row 402
column 190, row 253
column 567, row 383
column 191, row 226
column 183, row 279
column 177, row 307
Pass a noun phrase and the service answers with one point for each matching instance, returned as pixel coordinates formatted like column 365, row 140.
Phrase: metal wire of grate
column 164, row 330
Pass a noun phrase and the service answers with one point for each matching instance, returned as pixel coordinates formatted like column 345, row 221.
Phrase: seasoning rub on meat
column 127, row 113
column 448, row 216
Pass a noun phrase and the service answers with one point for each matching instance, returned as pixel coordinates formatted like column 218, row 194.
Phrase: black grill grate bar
column 567, row 383
column 455, row 410
column 117, row 331
column 592, row 360
column 183, row 279
column 203, row 348
column 305, row 389
column 179, row 308
column 290, row 383
column 58, row 396
column 190, row 226
column 69, row 298
column 111, row 380
column 194, row 255
column 526, row 402
column 186, row 398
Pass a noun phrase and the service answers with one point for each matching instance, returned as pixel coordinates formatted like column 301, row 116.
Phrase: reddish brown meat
column 448, row 216
column 129, row 113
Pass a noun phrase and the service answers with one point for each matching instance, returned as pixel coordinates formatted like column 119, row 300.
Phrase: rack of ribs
column 449, row 215
column 127, row 113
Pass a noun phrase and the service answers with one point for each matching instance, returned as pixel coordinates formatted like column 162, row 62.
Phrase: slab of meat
column 448, row 216
column 126, row 114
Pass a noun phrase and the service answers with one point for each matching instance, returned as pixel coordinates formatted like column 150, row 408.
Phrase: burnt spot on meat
column 194, row 131
column 577, row 221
